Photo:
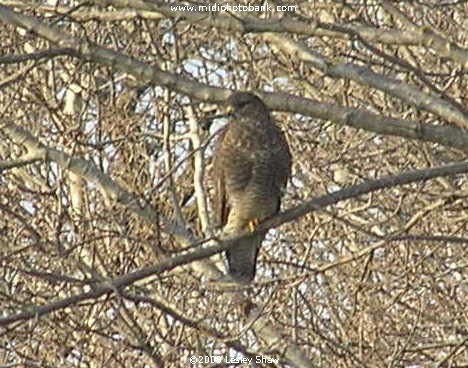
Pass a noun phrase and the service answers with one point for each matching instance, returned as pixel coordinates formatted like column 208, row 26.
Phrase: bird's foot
column 252, row 224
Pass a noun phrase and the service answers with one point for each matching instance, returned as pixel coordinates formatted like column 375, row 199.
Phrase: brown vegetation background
column 105, row 152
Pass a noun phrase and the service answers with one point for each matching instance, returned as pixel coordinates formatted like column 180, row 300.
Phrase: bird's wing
column 283, row 161
column 220, row 202
column 233, row 168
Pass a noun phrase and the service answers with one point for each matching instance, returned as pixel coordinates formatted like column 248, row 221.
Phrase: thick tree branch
column 445, row 135
column 22, row 161
column 362, row 75
column 83, row 15
column 245, row 24
column 78, row 166
column 35, row 56
column 452, row 137
column 429, row 38
column 366, row 187
column 88, row 171
column 335, row 274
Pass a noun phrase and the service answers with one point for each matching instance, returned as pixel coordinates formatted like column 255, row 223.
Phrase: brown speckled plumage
column 252, row 163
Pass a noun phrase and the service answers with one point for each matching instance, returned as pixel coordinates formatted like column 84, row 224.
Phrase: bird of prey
column 251, row 166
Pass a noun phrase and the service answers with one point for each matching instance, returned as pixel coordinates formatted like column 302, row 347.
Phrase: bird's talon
column 252, row 225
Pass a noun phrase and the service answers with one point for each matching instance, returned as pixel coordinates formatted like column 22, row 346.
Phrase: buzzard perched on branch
column 252, row 163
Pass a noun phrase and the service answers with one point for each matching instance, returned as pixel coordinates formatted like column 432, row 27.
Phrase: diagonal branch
column 366, row 187
column 245, row 24
column 449, row 136
column 88, row 171
column 392, row 86
column 429, row 38
column 34, row 56
column 262, row 326
column 91, row 173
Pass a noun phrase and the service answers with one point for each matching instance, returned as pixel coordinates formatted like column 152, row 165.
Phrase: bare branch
column 200, row 253
column 199, row 172
column 367, row 264
column 429, row 38
column 35, row 56
column 364, row 188
column 88, row 171
column 23, row 161
column 394, row 87
column 447, row 136
column 245, row 24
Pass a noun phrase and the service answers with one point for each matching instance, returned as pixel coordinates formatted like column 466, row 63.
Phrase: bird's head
column 245, row 104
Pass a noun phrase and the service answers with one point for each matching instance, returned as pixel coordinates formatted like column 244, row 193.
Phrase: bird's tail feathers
column 242, row 259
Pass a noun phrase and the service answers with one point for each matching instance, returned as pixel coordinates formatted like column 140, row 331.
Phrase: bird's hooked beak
column 223, row 111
